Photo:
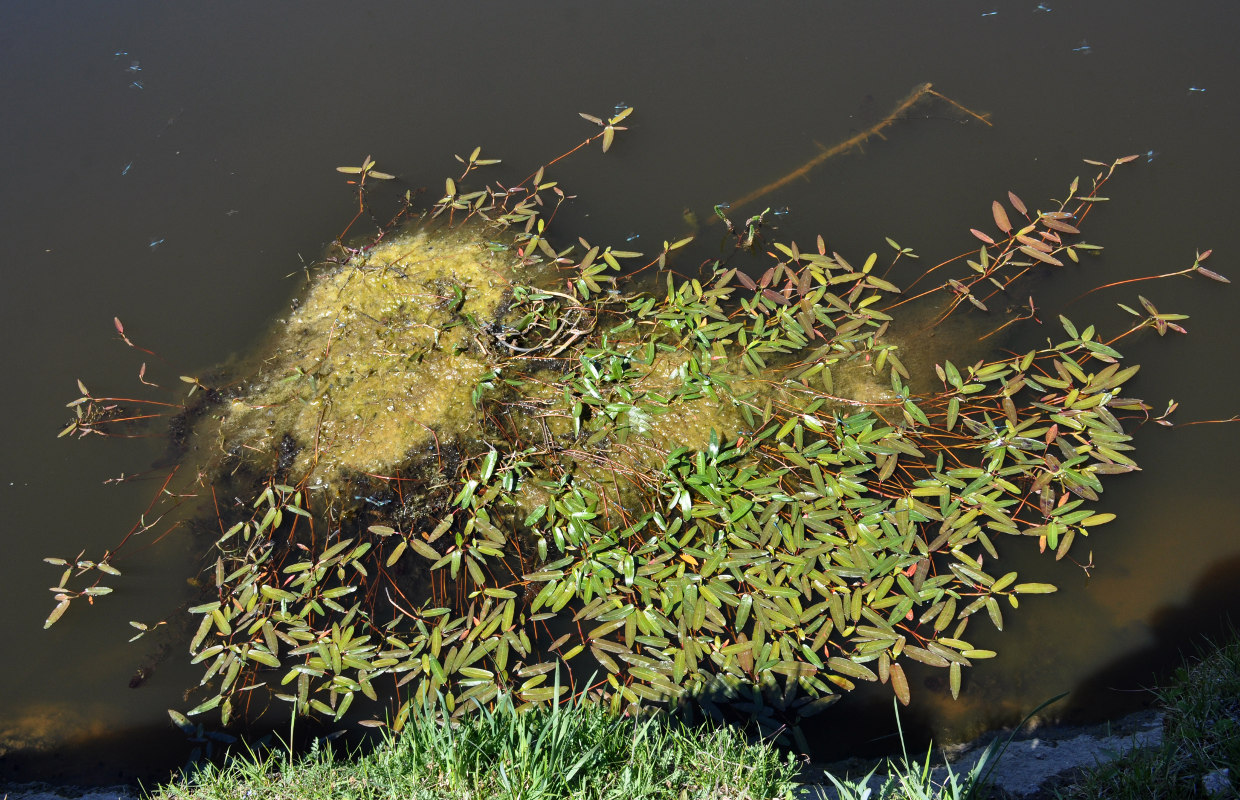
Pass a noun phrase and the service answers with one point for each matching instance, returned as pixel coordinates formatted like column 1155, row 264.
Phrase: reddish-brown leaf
column 775, row 297
column 1034, row 243
column 1001, row 217
column 981, row 236
column 1056, row 225
column 1017, row 204
column 899, row 683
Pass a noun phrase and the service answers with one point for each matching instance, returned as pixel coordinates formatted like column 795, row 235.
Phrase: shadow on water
column 1179, row 632
column 86, row 756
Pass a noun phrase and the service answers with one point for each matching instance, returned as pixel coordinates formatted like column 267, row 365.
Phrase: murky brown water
column 171, row 165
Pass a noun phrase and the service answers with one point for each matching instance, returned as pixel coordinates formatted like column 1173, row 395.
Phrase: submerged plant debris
column 479, row 465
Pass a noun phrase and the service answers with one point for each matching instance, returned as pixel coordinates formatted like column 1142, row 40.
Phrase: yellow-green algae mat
column 368, row 367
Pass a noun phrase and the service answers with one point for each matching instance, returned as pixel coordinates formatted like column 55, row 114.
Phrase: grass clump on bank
column 577, row 751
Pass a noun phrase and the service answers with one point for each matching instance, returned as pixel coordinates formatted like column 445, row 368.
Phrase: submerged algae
column 381, row 355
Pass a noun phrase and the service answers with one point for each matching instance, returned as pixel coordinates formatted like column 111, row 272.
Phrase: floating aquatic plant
column 476, row 461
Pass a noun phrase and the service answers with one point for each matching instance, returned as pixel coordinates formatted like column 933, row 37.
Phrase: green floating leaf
column 205, row 706
column 851, row 668
column 56, row 614
column 1035, row 588
column 423, row 549
column 181, row 721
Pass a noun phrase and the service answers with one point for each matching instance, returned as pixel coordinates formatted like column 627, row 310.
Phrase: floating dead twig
column 856, row 141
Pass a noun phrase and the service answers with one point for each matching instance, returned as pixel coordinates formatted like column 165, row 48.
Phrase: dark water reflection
column 182, row 206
